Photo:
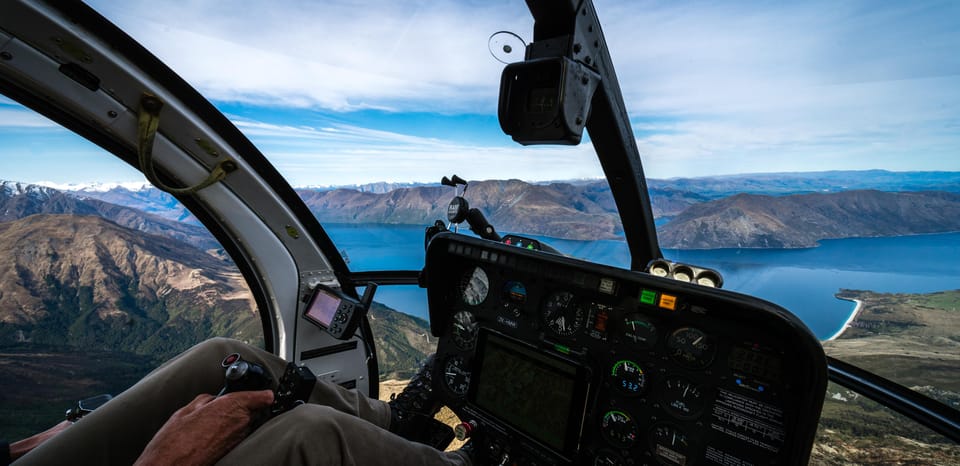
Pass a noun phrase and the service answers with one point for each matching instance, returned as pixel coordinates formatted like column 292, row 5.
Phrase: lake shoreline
column 858, row 306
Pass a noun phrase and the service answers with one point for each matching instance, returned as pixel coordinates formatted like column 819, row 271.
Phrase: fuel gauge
column 683, row 398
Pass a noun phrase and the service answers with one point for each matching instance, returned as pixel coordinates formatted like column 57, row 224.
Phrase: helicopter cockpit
column 545, row 359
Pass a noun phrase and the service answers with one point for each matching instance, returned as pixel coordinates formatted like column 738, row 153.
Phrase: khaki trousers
column 337, row 427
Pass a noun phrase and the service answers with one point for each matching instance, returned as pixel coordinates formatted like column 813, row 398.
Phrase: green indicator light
column 648, row 297
column 562, row 349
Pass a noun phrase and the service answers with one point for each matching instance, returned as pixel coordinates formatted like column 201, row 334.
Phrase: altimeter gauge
column 562, row 315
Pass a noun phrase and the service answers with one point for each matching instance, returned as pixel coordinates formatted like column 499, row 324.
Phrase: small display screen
column 323, row 306
column 534, row 393
column 756, row 363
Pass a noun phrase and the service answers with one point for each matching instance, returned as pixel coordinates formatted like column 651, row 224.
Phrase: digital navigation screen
column 537, row 394
column 322, row 307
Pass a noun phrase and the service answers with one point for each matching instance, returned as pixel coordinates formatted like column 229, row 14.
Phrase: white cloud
column 341, row 154
column 337, row 55
column 712, row 88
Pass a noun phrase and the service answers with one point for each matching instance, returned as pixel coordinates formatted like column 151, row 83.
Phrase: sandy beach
column 853, row 315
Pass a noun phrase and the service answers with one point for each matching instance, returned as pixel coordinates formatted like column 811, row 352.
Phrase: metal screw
column 6, row 55
column 112, row 114
column 576, row 48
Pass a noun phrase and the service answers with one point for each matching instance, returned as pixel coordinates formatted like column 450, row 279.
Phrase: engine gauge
column 514, row 296
column 562, row 315
column 474, row 286
column 683, row 398
column 465, row 329
column 456, row 375
column 691, row 347
column 619, row 429
column 628, row 377
column 669, row 445
column 639, row 330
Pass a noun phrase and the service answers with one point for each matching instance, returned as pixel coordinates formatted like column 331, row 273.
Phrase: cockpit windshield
column 807, row 152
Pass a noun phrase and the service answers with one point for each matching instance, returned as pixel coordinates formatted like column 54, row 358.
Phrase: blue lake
column 801, row 280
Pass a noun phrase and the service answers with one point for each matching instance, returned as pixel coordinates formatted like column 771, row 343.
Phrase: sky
column 344, row 92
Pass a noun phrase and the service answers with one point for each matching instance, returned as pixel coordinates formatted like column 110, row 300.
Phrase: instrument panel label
column 752, row 421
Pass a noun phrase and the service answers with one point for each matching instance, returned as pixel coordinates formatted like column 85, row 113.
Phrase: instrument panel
column 550, row 360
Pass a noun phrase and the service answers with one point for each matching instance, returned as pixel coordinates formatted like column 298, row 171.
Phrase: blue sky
column 360, row 91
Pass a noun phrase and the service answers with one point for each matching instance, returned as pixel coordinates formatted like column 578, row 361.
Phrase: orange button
column 668, row 302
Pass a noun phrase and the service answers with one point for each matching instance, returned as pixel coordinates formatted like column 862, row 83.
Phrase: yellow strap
column 148, row 122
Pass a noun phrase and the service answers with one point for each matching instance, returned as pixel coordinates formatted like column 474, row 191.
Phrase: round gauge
column 660, row 268
column 691, row 347
column 474, row 286
column 456, row 375
column 669, row 445
column 608, row 458
column 639, row 330
column 514, row 296
column 465, row 329
column 708, row 278
column 683, row 398
column 628, row 377
column 619, row 429
column 683, row 274
column 562, row 315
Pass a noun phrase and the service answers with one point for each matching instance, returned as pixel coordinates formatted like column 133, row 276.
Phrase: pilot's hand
column 205, row 430
column 22, row 447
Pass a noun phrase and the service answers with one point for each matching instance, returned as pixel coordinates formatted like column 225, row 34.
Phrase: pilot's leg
column 118, row 431
column 320, row 435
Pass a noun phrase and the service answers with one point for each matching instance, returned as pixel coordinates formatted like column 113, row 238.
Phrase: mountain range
column 792, row 210
column 85, row 281
column 19, row 200
column 796, row 221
